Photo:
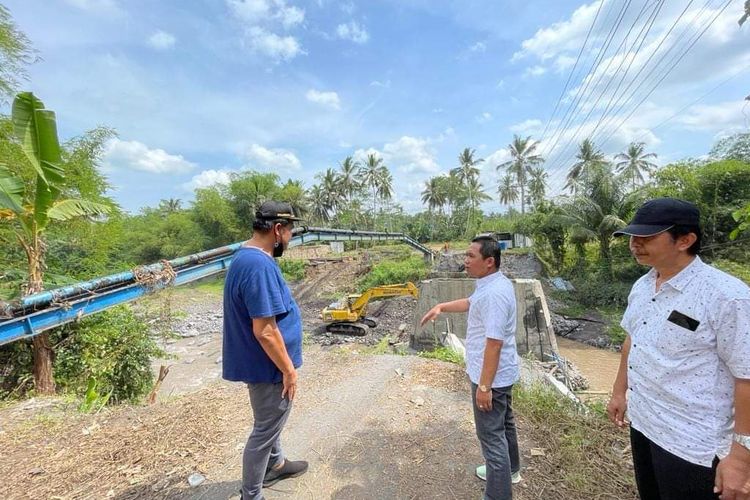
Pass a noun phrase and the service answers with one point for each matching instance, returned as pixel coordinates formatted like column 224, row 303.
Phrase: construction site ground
column 372, row 425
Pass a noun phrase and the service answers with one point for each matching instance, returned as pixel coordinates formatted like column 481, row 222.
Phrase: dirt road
column 375, row 427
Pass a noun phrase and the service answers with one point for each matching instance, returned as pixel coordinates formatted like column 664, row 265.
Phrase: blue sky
column 199, row 89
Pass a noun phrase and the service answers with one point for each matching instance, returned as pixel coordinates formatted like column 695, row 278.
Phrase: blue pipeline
column 33, row 314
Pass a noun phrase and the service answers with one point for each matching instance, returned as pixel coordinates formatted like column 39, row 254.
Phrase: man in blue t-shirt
column 263, row 345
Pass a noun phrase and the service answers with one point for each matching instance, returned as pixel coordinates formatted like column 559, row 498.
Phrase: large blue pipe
column 35, row 313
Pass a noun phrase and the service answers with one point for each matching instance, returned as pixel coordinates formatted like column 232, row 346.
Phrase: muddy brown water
column 598, row 365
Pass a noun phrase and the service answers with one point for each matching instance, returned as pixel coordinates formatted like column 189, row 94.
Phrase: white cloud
column 527, row 127
column 478, row 47
column 161, row 40
column 110, row 6
column 134, row 155
column 330, row 99
column 291, row 16
column 207, row 178
column 408, row 155
column 280, row 48
column 484, row 117
column 251, row 11
column 716, row 117
column 352, row 31
column 563, row 36
column 261, row 19
column 498, row 157
column 564, row 62
column 376, row 83
column 533, row 71
column 272, row 159
column 411, row 155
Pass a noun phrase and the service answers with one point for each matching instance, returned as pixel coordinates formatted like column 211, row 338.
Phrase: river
column 599, row 366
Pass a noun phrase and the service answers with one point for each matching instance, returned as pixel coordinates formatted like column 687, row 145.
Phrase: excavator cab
column 348, row 315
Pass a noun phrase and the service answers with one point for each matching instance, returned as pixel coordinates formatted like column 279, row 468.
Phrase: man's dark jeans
column 496, row 431
column 660, row 475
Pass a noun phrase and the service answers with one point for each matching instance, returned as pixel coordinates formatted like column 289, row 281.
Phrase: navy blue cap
column 660, row 214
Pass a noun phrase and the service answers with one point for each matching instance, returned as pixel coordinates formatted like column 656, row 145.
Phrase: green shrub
column 444, row 354
column 292, row 269
column 390, row 272
column 112, row 348
column 599, row 290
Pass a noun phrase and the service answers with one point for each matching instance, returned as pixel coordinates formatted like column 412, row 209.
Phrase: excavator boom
column 348, row 316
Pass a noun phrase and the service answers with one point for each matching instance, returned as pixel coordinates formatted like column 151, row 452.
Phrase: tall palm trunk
column 44, row 381
column 523, row 196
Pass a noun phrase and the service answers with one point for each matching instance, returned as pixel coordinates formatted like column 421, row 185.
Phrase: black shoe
column 289, row 469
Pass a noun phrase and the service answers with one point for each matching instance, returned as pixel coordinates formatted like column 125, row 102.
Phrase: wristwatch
column 743, row 440
column 484, row 388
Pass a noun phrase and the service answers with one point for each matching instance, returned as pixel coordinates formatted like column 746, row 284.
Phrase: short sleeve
column 498, row 311
column 732, row 326
column 263, row 293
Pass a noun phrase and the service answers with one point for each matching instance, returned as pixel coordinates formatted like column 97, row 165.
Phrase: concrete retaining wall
column 534, row 332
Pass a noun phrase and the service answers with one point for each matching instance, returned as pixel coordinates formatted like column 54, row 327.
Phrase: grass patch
column 382, row 347
column 389, row 272
column 583, row 449
column 443, row 354
column 292, row 269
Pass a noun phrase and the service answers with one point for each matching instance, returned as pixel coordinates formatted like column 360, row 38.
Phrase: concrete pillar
column 337, row 246
column 534, row 332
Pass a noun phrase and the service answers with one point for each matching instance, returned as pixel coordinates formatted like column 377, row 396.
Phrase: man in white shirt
column 491, row 362
column 684, row 375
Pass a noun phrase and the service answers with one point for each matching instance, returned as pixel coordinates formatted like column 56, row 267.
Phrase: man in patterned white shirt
column 684, row 375
column 491, row 362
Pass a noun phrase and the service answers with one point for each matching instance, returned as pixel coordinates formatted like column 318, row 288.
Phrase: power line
column 642, row 36
column 681, row 110
column 570, row 76
column 621, row 104
column 668, row 71
column 583, row 88
column 654, row 70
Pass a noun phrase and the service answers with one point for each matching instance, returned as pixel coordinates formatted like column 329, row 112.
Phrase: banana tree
column 33, row 205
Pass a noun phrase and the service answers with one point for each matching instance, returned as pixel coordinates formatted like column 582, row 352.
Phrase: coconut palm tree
column 635, row 163
column 589, row 159
column 32, row 206
column 537, row 184
column 598, row 209
column 331, row 186
column 170, row 206
column 369, row 172
column 293, row 192
column 467, row 166
column 348, row 178
column 384, row 184
column 523, row 157
column 508, row 190
column 319, row 200
column 434, row 194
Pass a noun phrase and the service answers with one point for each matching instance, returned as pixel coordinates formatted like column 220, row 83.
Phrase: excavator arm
column 348, row 316
column 359, row 306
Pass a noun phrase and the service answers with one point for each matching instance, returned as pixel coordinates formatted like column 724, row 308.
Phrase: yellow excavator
column 348, row 315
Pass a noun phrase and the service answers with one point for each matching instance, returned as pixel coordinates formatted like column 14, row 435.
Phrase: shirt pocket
column 679, row 342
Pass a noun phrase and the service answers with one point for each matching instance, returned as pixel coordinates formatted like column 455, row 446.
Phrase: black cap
column 274, row 210
column 658, row 215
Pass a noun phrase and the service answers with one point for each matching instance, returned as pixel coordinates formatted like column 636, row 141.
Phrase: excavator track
column 344, row 328
column 370, row 322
